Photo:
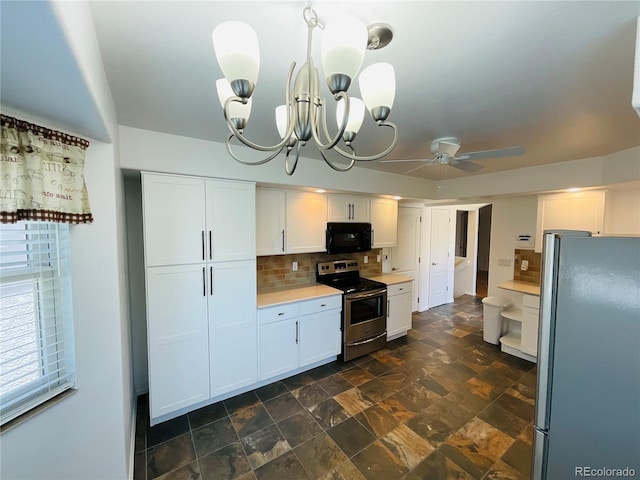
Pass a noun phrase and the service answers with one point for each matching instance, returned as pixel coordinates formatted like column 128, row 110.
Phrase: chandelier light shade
column 378, row 88
column 238, row 54
column 344, row 41
column 303, row 116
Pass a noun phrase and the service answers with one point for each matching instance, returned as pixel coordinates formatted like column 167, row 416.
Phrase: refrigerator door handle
column 545, row 330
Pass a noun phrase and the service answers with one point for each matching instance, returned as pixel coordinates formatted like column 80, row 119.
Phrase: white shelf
column 511, row 345
column 514, row 314
column 511, row 339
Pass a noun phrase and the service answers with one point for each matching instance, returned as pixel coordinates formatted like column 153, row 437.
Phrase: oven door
column 365, row 314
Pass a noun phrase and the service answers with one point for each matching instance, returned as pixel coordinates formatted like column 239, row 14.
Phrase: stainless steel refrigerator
column 587, row 416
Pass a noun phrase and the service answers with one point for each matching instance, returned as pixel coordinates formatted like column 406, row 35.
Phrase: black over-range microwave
column 348, row 237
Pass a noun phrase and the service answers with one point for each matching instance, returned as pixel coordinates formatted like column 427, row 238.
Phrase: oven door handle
column 359, row 296
column 355, row 344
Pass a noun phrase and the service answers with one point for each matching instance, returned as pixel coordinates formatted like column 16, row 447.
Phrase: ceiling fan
column 444, row 153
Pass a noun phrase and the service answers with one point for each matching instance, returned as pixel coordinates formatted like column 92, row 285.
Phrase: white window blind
column 36, row 324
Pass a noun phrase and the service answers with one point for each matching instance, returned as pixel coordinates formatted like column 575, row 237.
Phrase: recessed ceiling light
column 396, row 197
column 573, row 189
column 321, row 190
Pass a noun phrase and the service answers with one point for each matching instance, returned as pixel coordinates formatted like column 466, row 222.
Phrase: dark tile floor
column 439, row 403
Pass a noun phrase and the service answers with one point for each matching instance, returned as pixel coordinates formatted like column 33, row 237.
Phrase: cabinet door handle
column 297, row 330
column 210, row 246
column 202, row 244
column 323, row 305
column 204, row 283
column 211, row 279
column 388, row 308
column 281, row 313
column 283, row 240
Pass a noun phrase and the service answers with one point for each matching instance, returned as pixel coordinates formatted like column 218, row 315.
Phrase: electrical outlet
column 366, row 259
column 379, row 258
column 294, row 266
column 524, row 266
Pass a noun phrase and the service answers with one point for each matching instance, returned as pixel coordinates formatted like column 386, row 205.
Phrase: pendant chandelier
column 303, row 116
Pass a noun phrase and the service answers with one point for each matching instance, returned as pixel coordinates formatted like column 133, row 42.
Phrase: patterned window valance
column 41, row 174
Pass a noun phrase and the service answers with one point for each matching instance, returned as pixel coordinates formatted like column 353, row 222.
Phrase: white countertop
column 391, row 278
column 522, row 287
column 295, row 294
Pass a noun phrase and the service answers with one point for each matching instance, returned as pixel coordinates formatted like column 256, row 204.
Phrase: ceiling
column 555, row 77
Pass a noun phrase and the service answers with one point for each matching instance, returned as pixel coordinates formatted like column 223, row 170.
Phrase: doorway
column 484, row 243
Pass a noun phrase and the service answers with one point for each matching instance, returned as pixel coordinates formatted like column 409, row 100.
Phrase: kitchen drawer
column 532, row 301
column 277, row 312
column 320, row 304
column 398, row 288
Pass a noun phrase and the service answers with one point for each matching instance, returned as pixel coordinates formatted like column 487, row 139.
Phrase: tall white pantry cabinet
column 200, row 253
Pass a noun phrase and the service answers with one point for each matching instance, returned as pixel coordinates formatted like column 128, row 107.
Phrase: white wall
column 137, row 292
column 160, row 152
column 510, row 217
column 89, row 434
column 622, row 212
column 86, row 435
column 619, row 167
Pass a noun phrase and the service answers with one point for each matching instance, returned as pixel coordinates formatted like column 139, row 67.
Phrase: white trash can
column 492, row 324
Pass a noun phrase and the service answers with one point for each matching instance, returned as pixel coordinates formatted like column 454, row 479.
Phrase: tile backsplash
column 532, row 274
column 275, row 271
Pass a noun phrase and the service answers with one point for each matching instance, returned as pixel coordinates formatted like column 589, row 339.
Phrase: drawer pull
column 323, row 305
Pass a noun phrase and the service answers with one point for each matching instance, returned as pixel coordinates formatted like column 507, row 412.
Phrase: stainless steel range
column 364, row 307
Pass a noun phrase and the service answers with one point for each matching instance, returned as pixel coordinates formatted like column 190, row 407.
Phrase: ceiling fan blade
column 466, row 166
column 417, row 168
column 500, row 152
column 414, row 160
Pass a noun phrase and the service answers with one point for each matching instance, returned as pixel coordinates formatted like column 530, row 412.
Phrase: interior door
column 405, row 256
column 439, row 258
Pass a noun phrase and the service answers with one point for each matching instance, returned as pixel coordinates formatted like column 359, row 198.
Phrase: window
column 36, row 325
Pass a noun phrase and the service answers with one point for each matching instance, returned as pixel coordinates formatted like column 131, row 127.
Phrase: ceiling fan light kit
column 303, row 116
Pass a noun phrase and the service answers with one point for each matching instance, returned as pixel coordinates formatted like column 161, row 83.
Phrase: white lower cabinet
column 529, row 333
column 178, row 343
column 399, row 298
column 233, row 332
column 203, row 334
column 297, row 334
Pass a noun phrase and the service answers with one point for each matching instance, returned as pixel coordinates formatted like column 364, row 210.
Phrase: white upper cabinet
column 348, row 208
column 306, row 220
column 384, row 222
column 289, row 221
column 174, row 219
column 230, row 232
column 270, row 221
column 192, row 220
column 570, row 211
